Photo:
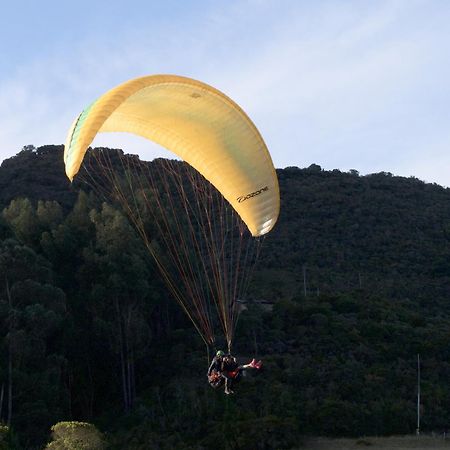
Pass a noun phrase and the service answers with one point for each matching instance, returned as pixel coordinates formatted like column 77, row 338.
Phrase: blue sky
column 359, row 85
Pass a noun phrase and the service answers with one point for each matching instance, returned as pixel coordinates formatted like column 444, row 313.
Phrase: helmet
column 220, row 353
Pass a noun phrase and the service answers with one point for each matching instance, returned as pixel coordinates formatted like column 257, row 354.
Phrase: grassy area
column 379, row 443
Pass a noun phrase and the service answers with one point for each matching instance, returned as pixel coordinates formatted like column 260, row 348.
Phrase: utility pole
column 418, row 395
column 304, row 279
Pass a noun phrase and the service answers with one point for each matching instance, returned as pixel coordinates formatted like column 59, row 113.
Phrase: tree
column 120, row 292
column 31, row 316
column 20, row 215
column 76, row 436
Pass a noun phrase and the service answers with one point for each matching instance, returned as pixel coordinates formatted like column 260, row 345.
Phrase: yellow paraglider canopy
column 199, row 124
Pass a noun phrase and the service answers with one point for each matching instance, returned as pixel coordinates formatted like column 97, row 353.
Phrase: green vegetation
column 4, row 437
column 351, row 285
column 76, row 436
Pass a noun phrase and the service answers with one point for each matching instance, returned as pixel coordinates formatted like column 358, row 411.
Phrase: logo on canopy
column 242, row 198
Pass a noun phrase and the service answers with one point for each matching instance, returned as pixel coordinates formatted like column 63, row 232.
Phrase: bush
column 76, row 436
column 4, row 437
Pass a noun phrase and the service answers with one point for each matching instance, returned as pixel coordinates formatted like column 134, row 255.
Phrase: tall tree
column 32, row 314
column 121, row 295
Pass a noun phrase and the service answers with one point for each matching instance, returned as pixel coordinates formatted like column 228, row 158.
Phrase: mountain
column 38, row 174
column 351, row 285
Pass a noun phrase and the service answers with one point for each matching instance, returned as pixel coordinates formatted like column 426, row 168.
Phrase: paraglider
column 224, row 369
column 202, row 218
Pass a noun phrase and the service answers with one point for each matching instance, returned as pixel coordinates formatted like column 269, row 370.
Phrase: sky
column 361, row 85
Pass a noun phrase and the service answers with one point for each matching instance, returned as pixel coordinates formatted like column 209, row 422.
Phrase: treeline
column 351, row 285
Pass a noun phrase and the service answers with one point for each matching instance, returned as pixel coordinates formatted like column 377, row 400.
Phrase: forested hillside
column 351, row 285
